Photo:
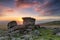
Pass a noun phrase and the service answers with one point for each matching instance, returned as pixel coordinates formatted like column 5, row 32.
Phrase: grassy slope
column 46, row 34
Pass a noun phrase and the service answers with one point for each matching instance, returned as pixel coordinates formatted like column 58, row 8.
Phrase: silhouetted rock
column 28, row 21
column 11, row 24
column 37, row 26
column 56, row 31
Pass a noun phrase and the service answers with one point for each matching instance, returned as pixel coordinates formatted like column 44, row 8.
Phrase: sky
column 41, row 10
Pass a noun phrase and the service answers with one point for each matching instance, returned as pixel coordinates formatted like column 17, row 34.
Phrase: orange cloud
column 1, row 6
column 10, row 10
column 25, row 3
column 7, row 11
column 25, row 6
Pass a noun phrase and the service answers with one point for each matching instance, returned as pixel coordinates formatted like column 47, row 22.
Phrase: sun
column 19, row 20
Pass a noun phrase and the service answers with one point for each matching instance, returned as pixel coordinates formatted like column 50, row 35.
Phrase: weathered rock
column 12, row 24
column 36, row 32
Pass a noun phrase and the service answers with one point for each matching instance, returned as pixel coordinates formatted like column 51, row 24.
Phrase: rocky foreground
column 38, row 34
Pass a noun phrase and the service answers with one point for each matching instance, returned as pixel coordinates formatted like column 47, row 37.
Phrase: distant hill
column 51, row 24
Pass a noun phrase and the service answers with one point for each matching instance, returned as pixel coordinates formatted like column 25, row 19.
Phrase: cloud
column 52, row 7
column 9, row 10
column 44, row 7
column 25, row 3
column 1, row 8
column 30, row 4
column 6, row 10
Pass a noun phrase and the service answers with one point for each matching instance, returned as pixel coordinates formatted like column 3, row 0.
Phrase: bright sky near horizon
column 38, row 9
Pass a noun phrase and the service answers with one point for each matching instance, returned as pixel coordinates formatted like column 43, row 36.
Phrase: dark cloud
column 54, row 7
column 6, row 0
